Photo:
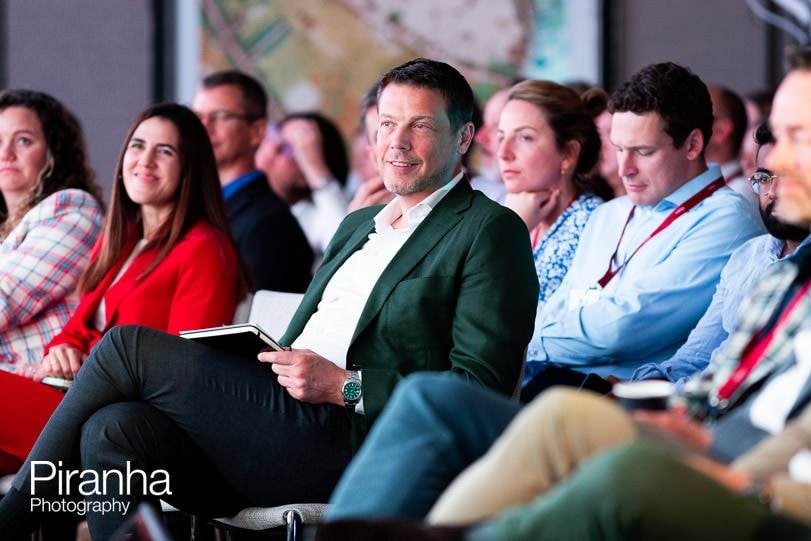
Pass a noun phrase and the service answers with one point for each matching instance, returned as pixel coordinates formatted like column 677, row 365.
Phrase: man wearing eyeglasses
column 743, row 271
column 232, row 107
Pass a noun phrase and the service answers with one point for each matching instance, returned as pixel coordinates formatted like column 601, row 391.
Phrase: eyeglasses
column 215, row 117
column 762, row 181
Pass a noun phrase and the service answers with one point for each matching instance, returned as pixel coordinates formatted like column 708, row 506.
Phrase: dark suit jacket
column 460, row 295
column 269, row 238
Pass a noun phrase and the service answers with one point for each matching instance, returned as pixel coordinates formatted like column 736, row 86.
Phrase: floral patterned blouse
column 554, row 252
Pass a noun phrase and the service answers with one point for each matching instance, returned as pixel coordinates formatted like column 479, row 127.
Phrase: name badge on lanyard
column 578, row 298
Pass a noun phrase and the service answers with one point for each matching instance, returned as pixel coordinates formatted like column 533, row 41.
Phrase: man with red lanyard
column 648, row 263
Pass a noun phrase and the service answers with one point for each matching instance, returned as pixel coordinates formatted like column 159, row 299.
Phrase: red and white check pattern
column 40, row 264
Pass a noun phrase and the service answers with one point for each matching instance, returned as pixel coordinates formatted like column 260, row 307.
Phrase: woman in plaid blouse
column 50, row 216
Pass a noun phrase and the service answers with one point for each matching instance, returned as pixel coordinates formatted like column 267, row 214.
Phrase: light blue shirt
column 646, row 312
column 746, row 266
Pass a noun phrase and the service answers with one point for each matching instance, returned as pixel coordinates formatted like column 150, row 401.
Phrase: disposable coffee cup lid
column 643, row 389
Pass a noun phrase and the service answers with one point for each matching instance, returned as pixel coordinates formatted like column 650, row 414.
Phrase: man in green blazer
column 456, row 297
column 441, row 279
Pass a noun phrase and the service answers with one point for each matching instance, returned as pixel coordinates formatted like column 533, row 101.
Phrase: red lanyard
column 756, row 348
column 677, row 212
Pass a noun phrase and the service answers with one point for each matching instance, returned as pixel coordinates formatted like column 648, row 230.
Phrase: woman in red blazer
column 165, row 261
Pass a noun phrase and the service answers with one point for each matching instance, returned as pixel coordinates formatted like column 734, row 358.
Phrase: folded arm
column 644, row 311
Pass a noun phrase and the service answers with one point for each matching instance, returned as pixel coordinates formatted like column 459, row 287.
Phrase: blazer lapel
column 128, row 281
column 102, row 290
column 316, row 290
column 442, row 219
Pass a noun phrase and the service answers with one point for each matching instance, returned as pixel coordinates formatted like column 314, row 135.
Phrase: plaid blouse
column 756, row 310
column 41, row 260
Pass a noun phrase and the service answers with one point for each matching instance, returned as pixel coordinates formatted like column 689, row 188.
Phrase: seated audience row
column 538, row 480
column 647, row 264
column 165, row 260
column 679, row 224
column 373, row 314
column 152, row 248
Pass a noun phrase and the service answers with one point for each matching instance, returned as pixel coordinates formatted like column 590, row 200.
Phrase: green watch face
column 351, row 391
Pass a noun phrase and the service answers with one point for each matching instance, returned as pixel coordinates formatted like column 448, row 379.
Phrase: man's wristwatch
column 351, row 390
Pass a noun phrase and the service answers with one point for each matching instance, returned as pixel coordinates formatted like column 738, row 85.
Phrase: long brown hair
column 198, row 197
column 66, row 148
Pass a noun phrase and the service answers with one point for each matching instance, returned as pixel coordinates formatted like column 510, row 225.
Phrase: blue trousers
column 437, row 424
column 434, row 427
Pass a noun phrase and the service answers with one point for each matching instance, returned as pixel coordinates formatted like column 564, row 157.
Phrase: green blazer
column 460, row 295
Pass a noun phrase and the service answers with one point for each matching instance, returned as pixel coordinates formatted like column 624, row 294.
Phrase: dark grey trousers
column 220, row 424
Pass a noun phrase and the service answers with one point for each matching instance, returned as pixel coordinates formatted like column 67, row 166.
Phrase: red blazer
column 193, row 287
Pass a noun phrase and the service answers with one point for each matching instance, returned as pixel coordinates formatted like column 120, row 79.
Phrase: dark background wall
column 100, row 57
column 93, row 55
column 721, row 40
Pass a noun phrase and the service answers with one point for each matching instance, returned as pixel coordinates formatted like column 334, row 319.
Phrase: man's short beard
column 421, row 185
column 780, row 229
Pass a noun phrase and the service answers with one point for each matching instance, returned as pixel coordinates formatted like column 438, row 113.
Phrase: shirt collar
column 689, row 188
column 806, row 241
column 238, row 183
column 416, row 214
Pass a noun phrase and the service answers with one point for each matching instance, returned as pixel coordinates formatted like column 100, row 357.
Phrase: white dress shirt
column 329, row 330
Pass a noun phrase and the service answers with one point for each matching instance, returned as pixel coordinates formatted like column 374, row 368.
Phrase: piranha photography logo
column 84, row 491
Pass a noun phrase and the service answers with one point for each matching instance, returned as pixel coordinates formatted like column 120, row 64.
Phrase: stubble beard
column 401, row 186
column 419, row 185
